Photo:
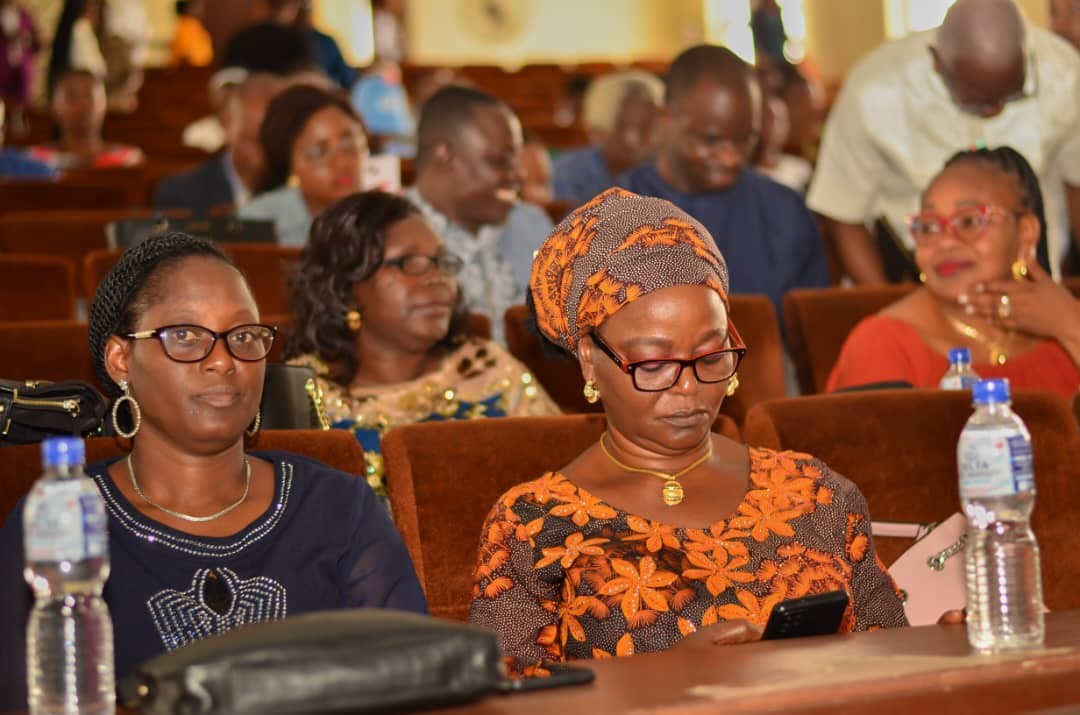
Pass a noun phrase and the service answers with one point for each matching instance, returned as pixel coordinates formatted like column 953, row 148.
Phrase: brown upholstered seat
column 444, row 477
column 21, row 465
column 36, row 287
column 899, row 447
column 761, row 376
column 267, row 268
column 67, row 233
column 45, row 350
column 818, row 321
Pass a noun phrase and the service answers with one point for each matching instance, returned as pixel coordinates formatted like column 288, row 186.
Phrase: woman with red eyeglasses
column 976, row 234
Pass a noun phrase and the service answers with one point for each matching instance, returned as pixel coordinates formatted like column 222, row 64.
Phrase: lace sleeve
column 508, row 596
column 377, row 570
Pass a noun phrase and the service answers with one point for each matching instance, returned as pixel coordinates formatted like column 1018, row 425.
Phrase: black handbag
column 291, row 399
column 32, row 410
column 356, row 661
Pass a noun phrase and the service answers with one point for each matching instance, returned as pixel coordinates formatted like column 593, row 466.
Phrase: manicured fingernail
column 963, row 299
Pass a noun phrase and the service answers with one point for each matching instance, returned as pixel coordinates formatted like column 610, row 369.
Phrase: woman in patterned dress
column 378, row 315
column 662, row 529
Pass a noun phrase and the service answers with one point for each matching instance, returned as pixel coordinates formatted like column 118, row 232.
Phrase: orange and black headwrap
column 615, row 249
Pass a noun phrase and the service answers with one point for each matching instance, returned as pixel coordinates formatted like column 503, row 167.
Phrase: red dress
column 563, row 575
column 880, row 349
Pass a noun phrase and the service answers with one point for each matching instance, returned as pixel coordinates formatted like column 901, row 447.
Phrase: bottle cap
column 63, row 451
column 987, row 391
column 959, row 355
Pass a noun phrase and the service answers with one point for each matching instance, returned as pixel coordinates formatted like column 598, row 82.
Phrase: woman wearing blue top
column 203, row 536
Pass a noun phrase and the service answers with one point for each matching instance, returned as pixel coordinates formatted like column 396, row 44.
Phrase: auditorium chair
column 818, row 321
column 761, row 376
column 899, row 448
column 444, row 477
column 21, row 464
column 36, row 287
column 51, row 350
column 267, row 267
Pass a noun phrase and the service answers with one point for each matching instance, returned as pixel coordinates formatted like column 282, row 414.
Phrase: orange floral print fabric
column 614, row 249
column 563, row 575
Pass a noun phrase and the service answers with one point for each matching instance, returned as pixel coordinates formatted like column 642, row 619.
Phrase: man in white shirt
column 984, row 77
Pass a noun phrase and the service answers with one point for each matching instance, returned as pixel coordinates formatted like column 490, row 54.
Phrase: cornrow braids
column 126, row 292
column 1012, row 163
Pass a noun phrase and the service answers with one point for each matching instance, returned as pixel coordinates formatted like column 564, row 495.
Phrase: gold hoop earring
column 293, row 181
column 254, row 429
column 354, row 320
column 733, row 385
column 1019, row 270
column 922, row 277
column 591, row 393
column 136, row 412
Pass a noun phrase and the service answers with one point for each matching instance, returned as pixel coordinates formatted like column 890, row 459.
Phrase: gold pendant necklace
column 673, row 491
column 189, row 517
column 997, row 350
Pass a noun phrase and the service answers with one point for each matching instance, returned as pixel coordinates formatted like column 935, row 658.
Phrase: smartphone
column 561, row 674
column 816, row 615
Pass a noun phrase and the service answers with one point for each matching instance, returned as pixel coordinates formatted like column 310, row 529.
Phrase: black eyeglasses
column 660, row 375
column 415, row 264
column 192, row 343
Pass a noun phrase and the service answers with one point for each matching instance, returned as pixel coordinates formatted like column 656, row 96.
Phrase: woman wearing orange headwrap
column 662, row 529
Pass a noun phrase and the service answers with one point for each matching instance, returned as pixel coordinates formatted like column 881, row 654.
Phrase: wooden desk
column 910, row 670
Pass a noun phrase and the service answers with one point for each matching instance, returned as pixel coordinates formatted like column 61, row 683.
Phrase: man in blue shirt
column 16, row 165
column 766, row 233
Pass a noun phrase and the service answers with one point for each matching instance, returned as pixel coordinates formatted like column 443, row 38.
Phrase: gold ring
column 1005, row 309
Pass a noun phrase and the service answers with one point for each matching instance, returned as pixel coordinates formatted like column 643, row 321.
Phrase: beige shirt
column 894, row 125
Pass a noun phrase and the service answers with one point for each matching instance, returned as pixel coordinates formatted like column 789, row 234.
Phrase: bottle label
column 958, row 382
column 68, row 524
column 994, row 463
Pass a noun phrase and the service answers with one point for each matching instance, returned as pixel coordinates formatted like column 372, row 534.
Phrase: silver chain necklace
column 188, row 517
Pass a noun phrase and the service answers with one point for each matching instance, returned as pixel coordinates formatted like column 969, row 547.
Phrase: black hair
column 132, row 286
column 60, row 58
column 346, row 246
column 271, row 48
column 1012, row 163
column 183, row 7
column 444, row 113
column 711, row 62
column 286, row 116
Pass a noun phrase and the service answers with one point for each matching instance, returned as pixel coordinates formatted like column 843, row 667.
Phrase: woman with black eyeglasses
column 205, row 536
column 977, row 233
column 661, row 531
column 378, row 315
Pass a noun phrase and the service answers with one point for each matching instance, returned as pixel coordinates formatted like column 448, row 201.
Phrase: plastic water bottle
column 959, row 376
column 997, row 489
column 69, row 639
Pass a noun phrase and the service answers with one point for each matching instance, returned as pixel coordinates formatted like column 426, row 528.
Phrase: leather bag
column 356, row 661
column 930, row 574
column 32, row 410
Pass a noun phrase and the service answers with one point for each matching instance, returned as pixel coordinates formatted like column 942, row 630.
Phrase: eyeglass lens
column 190, row 343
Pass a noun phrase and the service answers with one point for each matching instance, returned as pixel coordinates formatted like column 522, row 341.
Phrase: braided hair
column 346, row 246
column 132, row 286
column 1012, row 163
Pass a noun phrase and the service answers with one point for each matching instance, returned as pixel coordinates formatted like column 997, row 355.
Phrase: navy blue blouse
column 324, row 543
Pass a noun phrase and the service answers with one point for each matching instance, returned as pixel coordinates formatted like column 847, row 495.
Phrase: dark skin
column 667, row 430
column 328, row 157
column 475, row 177
column 1065, row 20
column 710, row 133
column 965, row 280
column 188, row 454
column 631, row 140
column 79, row 106
column 243, row 115
column 404, row 316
